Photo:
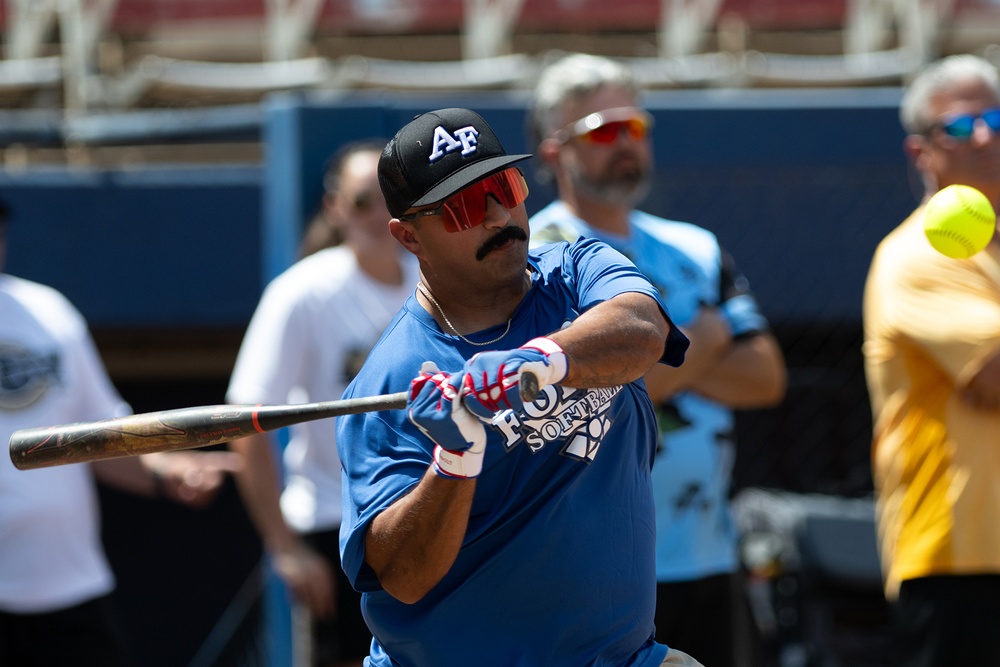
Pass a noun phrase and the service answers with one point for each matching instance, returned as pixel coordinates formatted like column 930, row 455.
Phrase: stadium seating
column 93, row 55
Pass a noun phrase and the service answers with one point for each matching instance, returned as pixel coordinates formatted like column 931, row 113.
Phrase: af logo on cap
column 465, row 138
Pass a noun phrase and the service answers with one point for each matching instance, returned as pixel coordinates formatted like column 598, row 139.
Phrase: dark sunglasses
column 604, row 127
column 467, row 208
column 961, row 126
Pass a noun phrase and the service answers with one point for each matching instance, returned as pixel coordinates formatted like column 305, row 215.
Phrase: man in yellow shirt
column 932, row 358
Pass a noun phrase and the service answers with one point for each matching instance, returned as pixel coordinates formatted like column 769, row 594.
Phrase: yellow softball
column 959, row 221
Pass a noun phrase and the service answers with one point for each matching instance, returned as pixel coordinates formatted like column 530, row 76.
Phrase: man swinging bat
column 481, row 528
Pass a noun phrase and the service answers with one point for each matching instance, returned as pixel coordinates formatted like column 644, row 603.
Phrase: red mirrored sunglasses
column 467, row 208
column 604, row 127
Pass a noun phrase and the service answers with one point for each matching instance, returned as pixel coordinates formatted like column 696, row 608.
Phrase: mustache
column 511, row 232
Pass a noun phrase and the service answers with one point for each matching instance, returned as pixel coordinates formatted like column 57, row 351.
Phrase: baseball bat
column 187, row 428
column 167, row 430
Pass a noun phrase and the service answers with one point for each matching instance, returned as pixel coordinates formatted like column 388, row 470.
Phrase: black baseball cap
column 437, row 154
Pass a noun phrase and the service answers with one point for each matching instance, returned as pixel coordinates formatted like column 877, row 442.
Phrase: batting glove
column 492, row 379
column 435, row 407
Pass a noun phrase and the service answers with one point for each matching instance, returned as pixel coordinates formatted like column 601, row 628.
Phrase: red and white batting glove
column 492, row 379
column 435, row 407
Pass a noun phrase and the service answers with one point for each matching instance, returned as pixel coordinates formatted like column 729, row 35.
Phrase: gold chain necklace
column 430, row 297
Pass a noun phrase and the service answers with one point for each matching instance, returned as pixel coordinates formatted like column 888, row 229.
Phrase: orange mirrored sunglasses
column 467, row 208
column 604, row 127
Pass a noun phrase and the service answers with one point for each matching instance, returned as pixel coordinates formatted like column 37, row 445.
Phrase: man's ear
column 916, row 148
column 548, row 151
column 913, row 147
column 403, row 233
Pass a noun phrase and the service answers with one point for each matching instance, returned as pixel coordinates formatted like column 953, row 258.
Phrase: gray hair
column 940, row 76
column 573, row 77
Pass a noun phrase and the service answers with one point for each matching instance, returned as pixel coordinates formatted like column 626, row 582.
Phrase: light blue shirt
column 695, row 533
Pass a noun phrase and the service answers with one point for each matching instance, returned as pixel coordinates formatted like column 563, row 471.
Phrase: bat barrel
column 183, row 428
column 146, row 433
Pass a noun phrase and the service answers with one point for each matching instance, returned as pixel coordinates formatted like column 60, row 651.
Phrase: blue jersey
column 696, row 536
column 557, row 563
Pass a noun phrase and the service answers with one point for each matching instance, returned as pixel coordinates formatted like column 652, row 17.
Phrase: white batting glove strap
column 556, row 365
column 460, row 465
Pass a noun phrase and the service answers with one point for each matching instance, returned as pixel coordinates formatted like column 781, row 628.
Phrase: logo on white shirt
column 25, row 375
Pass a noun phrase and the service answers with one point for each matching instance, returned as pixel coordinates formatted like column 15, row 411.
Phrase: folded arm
column 739, row 373
column 751, row 374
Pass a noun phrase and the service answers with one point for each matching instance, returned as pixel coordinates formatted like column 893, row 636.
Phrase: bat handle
column 528, row 387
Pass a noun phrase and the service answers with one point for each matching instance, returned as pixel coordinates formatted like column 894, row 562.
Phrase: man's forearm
column 750, row 375
column 412, row 545
column 710, row 338
column 615, row 342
